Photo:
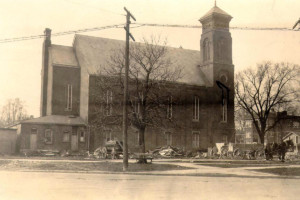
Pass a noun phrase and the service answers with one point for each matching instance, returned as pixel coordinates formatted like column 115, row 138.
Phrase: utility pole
column 125, row 100
column 297, row 22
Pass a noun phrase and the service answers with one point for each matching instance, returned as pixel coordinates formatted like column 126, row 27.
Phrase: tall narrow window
column 195, row 139
column 169, row 108
column 196, row 109
column 136, row 106
column 48, row 136
column 169, row 138
column 66, row 136
column 137, row 138
column 206, row 49
column 224, row 110
column 69, row 97
column 108, row 135
column 225, row 139
column 82, row 136
column 221, row 49
column 109, row 105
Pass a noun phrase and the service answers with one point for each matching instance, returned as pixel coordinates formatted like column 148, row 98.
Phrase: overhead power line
column 232, row 27
column 16, row 39
column 138, row 25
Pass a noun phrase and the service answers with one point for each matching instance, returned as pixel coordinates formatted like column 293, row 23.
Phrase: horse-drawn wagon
column 279, row 149
column 239, row 151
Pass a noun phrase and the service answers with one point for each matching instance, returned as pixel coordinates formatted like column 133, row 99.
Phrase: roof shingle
column 93, row 53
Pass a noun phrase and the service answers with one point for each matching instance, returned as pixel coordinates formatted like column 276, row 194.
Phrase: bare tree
column 270, row 87
column 150, row 74
column 13, row 111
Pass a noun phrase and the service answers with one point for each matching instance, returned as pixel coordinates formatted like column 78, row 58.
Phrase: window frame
column 206, row 50
column 136, row 106
column 36, row 131
column 109, row 102
column 224, row 110
column 137, row 138
column 51, row 136
column 69, row 97
column 170, row 107
column 169, row 138
column 196, row 108
column 66, row 133
column 225, row 139
column 108, row 133
column 82, row 138
column 196, row 135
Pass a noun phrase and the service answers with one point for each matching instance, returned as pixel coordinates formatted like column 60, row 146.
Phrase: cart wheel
column 104, row 152
column 224, row 152
column 260, row 155
column 214, row 152
column 237, row 154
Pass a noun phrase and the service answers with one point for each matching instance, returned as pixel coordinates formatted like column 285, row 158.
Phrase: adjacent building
column 8, row 139
column 286, row 126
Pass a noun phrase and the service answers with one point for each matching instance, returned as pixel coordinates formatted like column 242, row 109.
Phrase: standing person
column 282, row 150
column 113, row 153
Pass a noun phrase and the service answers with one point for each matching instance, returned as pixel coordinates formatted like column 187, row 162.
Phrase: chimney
column 47, row 34
column 44, row 74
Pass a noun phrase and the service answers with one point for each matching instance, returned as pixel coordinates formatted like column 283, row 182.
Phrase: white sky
column 20, row 62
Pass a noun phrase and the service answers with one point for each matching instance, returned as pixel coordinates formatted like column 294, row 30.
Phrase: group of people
column 279, row 149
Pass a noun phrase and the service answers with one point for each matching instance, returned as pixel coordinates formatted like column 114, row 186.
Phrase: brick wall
column 181, row 125
column 62, row 76
column 57, row 138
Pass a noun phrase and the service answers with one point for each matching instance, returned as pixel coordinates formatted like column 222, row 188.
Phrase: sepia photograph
column 149, row 99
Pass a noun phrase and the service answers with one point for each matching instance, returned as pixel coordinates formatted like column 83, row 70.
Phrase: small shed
column 8, row 140
column 294, row 136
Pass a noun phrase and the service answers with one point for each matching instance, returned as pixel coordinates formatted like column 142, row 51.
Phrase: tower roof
column 215, row 10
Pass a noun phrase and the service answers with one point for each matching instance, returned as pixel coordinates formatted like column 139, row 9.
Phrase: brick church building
column 205, row 93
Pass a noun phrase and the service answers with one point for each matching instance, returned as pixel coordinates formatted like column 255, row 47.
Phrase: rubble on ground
column 167, row 152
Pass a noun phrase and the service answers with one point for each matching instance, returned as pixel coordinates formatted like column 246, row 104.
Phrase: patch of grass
column 243, row 163
column 283, row 171
column 87, row 166
column 233, row 165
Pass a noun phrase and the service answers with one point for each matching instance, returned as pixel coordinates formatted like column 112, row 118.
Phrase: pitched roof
column 56, row 119
column 63, row 55
column 94, row 53
column 291, row 133
column 215, row 10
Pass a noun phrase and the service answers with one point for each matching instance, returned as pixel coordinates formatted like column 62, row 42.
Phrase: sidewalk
column 197, row 168
column 208, row 170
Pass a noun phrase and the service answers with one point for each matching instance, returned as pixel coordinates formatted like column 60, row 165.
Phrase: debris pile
column 167, row 152
column 197, row 153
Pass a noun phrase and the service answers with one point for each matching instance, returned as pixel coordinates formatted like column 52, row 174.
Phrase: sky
column 21, row 62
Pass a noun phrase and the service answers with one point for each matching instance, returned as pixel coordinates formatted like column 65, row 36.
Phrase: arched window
column 206, row 52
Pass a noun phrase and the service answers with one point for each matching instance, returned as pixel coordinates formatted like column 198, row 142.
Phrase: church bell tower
column 216, row 47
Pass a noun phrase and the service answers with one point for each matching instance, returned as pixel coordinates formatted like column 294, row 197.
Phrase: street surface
column 17, row 185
